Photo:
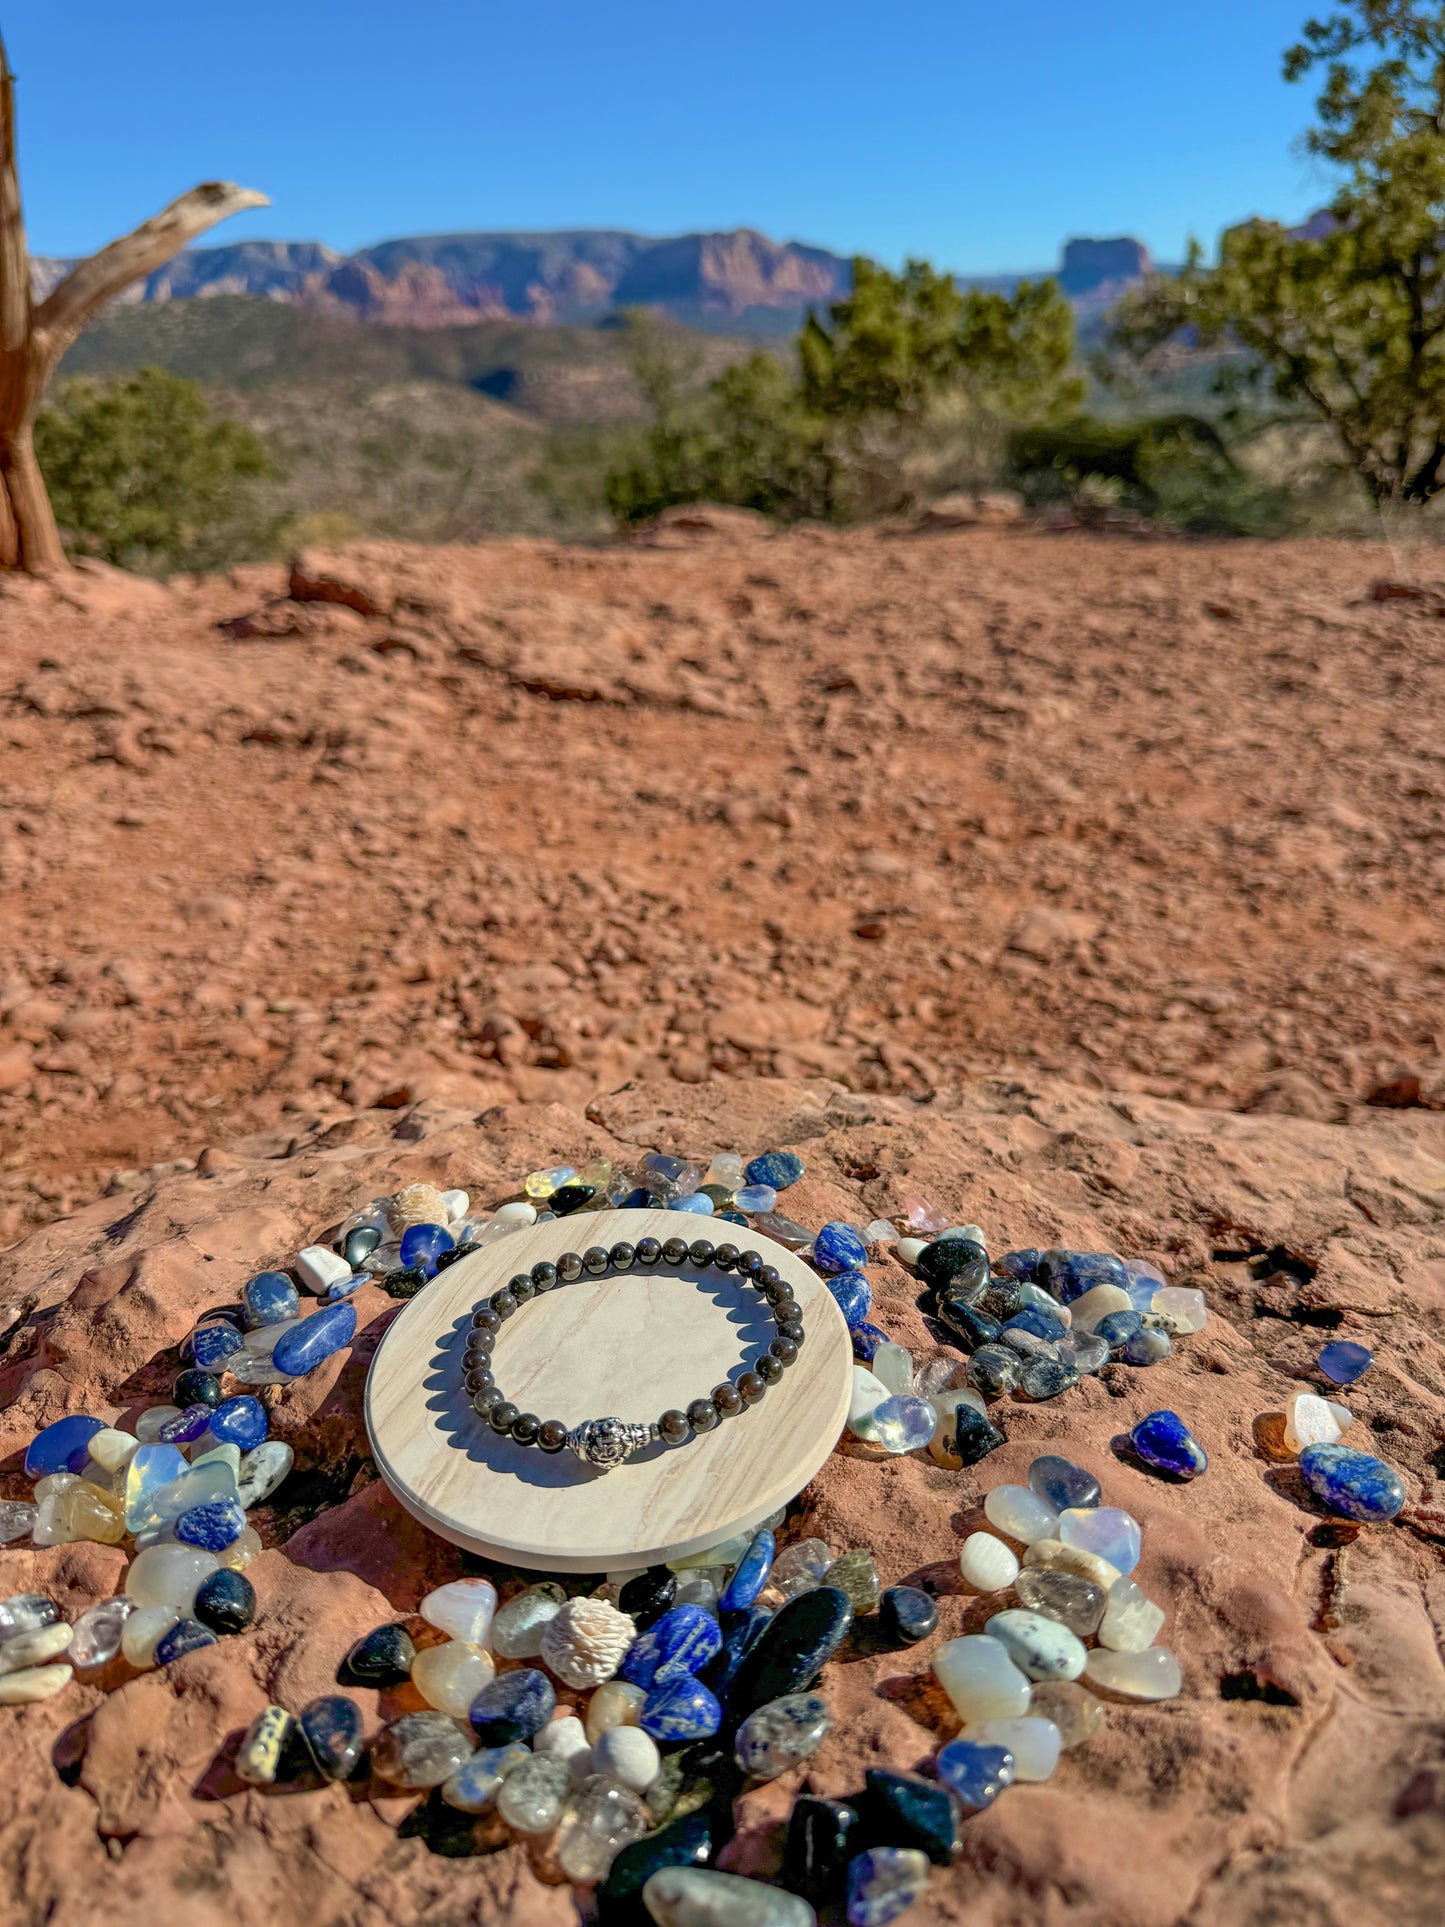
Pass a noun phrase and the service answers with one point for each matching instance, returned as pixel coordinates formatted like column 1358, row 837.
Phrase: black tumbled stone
column 382, row 1658
column 906, row 1614
column 648, row 1596
column 405, row 1282
column 949, row 1258
column 822, row 1838
column 973, row 1436
column 902, row 1810
column 358, row 1245
column 689, row 1841
column 972, row 1326
column 791, row 1650
column 334, row 1730
column 571, row 1197
column 197, row 1388
column 226, row 1601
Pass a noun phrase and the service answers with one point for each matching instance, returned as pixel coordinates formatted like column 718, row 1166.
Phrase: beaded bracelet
column 605, row 1442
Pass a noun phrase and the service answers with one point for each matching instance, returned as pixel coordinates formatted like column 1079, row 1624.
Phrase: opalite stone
column 1152, row 1674
column 464, row 1609
column 1308, row 1420
column 1060, row 1483
column 270, row 1296
column 1073, row 1601
column 513, row 1707
column 34, row 1648
column 1130, row 1621
column 628, row 1755
column 868, row 1394
column 34, row 1683
column 1041, row 1647
column 1343, row 1361
column 142, row 1633
column 519, row 1625
column 906, row 1615
column 1165, row 1442
column 262, row 1470
column 213, row 1526
column 95, row 1637
column 697, row 1202
column 539, row 1185
column 903, row 1424
column 681, row 1709
column 601, row 1818
column 987, row 1564
column 211, row 1345
column 240, row 1421
column 473, row 1788
column 995, row 1370
column 907, row 1811
column 1020, row 1513
column 334, row 1731
column 1046, row 1377
column 1106, row 1531
column 750, row 1574
column 755, row 1197
column 839, row 1248
column 681, row 1643
column 317, row 1268
column 313, row 1339
column 168, row 1575
column 1184, row 1309
column 421, row 1749
column 1352, row 1483
column 782, row 1734
column 726, row 1169
column 893, row 1366
column 112, row 1450
column 152, row 1469
column 976, row 1774
column 226, row 1602
column 17, row 1517
column 884, row 1882
column 618, row 1703
column 856, row 1576
column 450, row 1676
column 382, row 1657
column 1034, row 1743
column 791, row 1650
column 980, row 1678
column 186, row 1636
column 853, row 1294
column 1146, row 1348
column 62, row 1447
column 1058, row 1557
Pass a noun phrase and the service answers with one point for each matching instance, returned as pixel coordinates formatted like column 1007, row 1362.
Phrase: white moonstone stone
column 1037, row 1645
column 112, row 1449
column 1022, row 1514
column 1097, row 1303
column 703, row 1897
column 566, row 1738
column 892, row 1365
column 1035, row 1744
column 1105, row 1530
column 868, row 1393
column 909, row 1249
column 153, row 1421
column 1131, row 1621
column 35, row 1683
column 1152, row 1674
column 1054, row 1554
column 34, row 1648
column 457, row 1204
column 1308, row 1420
column 319, row 1269
column 450, row 1676
column 464, row 1608
column 987, row 1564
column 168, row 1575
column 980, row 1678
column 519, row 1211
column 616, row 1704
column 144, row 1630
column 1183, row 1307
column 627, row 1754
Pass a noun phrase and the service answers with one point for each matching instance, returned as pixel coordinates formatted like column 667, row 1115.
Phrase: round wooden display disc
column 626, row 1345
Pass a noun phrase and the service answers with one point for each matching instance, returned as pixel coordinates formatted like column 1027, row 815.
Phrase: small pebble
column 226, row 1602
column 61, row 1447
column 318, row 1268
column 1131, row 1621
column 987, row 1564
column 1152, row 1674
column 1074, row 1601
column 856, row 1576
column 259, row 1754
column 450, row 1676
column 1343, row 1362
column 1166, row 1443
column 95, row 1637
column 702, row 1897
column 531, row 1797
column 782, row 1734
column 382, row 1658
column 976, row 1774
column 1309, row 1420
column 1039, row 1646
column 335, row 1732
column 271, row 1297
column 903, row 1424
column 906, row 1615
column 33, row 1648
column 980, row 1678
column 883, row 1883
column 628, row 1755
column 1020, row 1513
column 1353, row 1484
column 513, row 1707
column 1106, row 1531
column 421, row 1750
column 1060, row 1483
column 464, row 1609
column 1146, row 1348
column 1034, row 1743
column 1076, row 1713
column 473, row 1788
column 517, row 1629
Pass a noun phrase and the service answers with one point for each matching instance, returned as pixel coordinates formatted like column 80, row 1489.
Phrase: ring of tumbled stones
column 605, row 1442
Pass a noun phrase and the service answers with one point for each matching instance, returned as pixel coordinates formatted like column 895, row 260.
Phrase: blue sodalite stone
column 755, row 1197
column 344, row 1287
column 1061, row 1484
column 1343, row 1362
column 1354, row 1484
column 212, row 1345
column 972, row 1326
column 62, row 1447
column 1116, row 1328
column 186, row 1636
column 697, row 1202
column 750, row 1575
column 680, row 1709
column 213, row 1526
column 1031, row 1319
column 189, row 1426
column 513, row 1706
column 269, row 1298
column 739, row 1634
column 681, row 1642
column 1146, row 1348
column 885, row 1882
column 777, row 1168
column 791, row 1650
column 1022, row 1265
column 838, row 1247
column 423, row 1244
column 240, row 1421
column 1069, row 1274
column 974, row 1772
column 854, row 1295
column 302, row 1349
column 866, row 1340
column 1164, row 1441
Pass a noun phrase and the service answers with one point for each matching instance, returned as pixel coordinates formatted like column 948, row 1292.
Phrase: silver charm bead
column 605, row 1442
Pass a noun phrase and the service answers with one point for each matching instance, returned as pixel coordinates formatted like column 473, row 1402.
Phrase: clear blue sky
column 976, row 134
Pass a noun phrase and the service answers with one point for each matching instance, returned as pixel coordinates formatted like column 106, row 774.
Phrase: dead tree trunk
column 34, row 337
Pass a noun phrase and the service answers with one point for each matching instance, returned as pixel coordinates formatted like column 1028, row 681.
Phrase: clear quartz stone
column 519, row 1625
column 1131, row 1621
column 241, row 1551
column 600, row 1819
column 17, row 1517
column 95, row 1637
column 22, row 1612
column 800, row 1567
column 532, row 1795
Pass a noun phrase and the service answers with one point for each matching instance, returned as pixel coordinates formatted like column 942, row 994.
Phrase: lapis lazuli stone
column 302, row 1349
column 1060, row 1483
column 975, row 1772
column 681, row 1642
column 680, row 1709
column 866, row 1340
column 213, row 1344
column 1023, row 1265
column 777, row 1168
column 1354, row 1484
column 1343, row 1362
column 697, row 1202
column 513, row 1706
column 854, row 1295
column 190, row 1425
column 269, row 1298
column 1031, row 1319
column 883, row 1883
column 1116, row 1328
column 838, row 1247
column 750, row 1575
column 186, row 1636
column 423, row 1244
column 1146, row 1348
column 1164, row 1441
column 62, row 1447
column 213, row 1526
column 240, row 1421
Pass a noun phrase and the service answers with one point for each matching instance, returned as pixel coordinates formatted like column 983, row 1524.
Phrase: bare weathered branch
column 14, row 255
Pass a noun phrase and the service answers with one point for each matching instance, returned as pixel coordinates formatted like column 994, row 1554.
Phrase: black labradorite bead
column 902, row 1810
column 569, row 1267
column 751, row 1387
column 648, row 1596
column 769, row 1369
column 551, row 1435
column 769, row 1278
column 648, row 1251
column 675, row 1251
column 484, row 1319
column 784, row 1350
column 822, row 1839
column 594, row 1260
column 568, row 1198
column 382, row 1658
column 905, row 1615
column 725, row 1257
column 481, row 1341
column 334, row 1730
column 484, row 1400
column 791, row 1650
column 226, row 1601
column 700, row 1251
column 522, row 1288
column 504, row 1302
column 702, row 1415
column 622, row 1257
column 525, row 1427
column 673, row 1427
column 544, row 1276
column 197, row 1388
column 502, row 1417
column 727, row 1399
column 478, row 1379
column 750, row 1264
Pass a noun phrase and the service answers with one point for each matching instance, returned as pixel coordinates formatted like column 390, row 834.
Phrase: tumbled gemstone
column 645, row 1598
column 1060, row 1483
column 423, row 1244
column 473, row 1788
column 1021, row 1513
column 1038, row 1645
column 450, row 1676
column 906, row 1615
column 168, row 1575
column 32, row 1683
column 142, row 1633
column 334, row 1731
column 1076, row 1713
column 856, row 1574
column 1046, row 1377
column 980, row 1678
column 1058, row 1557
column 262, row 1470
column 22, row 1612
column 853, row 1295
column 1039, row 1323
column 755, row 1197
column 517, row 1629
column 153, row 1419
column 240, row 1421
column 903, row 1424
column 17, row 1517
column 976, row 1774
column 1354, row 1484
column 821, row 1839
column 839, row 1248
column 239, row 1554
column 726, row 1552
column 615, row 1703
column 625, row 1754
column 681, row 1708
column 1107, row 1531
column 1146, row 1348
column 995, row 1370
column 1131, row 1621
column 598, row 1821
column 213, row 1525
column 421, row 1749
column 987, row 1564
column 1073, row 1601
column 883, row 1883
column 750, row 1575
column 1343, row 1361
column 1309, row 1420
column 1069, row 1274
column 95, row 1637
column 80, row 1511
column 782, row 1733
column 677, row 1896
column 1152, row 1674
column 382, row 1658
column 1103, row 1301
column 973, row 1326
column 955, row 1267
column 681, row 1642
column 687, row 1841
column 1085, row 1351
column 270, row 1297
column 226, row 1602
column 62, row 1447
column 193, row 1388
column 866, row 1340
column 867, row 1395
column 513, row 1707
column 1034, row 1743
column 792, row 1649
column 186, row 1636
column 212, row 1345
column 784, row 1231
column 1021, row 1264
column 777, row 1168
column 902, row 1810
column 313, row 1339
column 1165, row 1442
column 1182, row 1309
column 1118, row 1327
column 966, row 1436
column 565, row 1737
column 463, row 1609
column 726, row 1169
column 319, row 1269
column 22, row 1650
column 359, row 1244
column 259, row 1754
column 193, row 1421
column 892, row 1366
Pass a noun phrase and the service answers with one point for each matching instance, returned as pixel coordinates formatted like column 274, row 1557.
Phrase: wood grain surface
column 627, row 1345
